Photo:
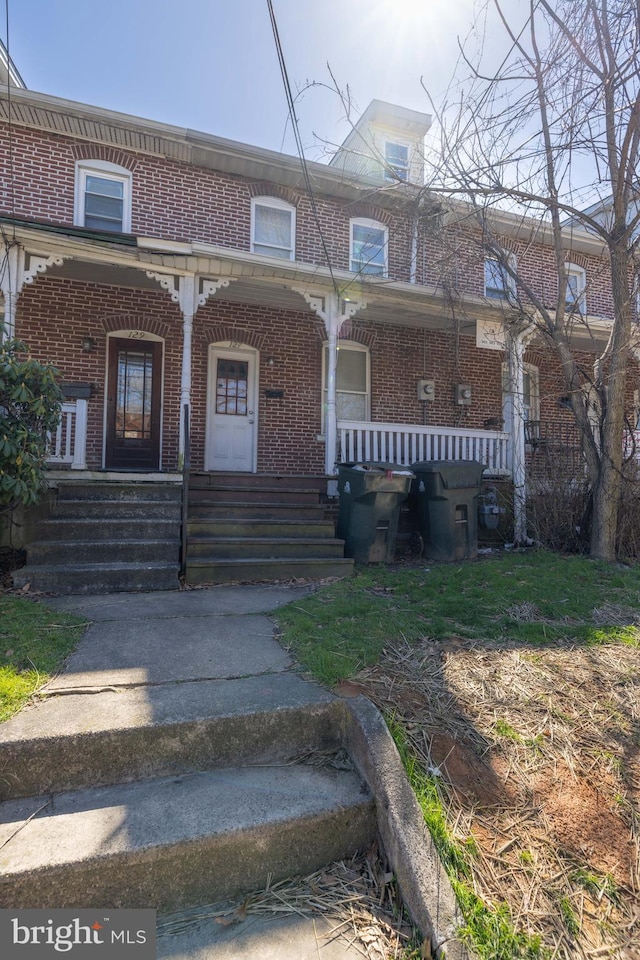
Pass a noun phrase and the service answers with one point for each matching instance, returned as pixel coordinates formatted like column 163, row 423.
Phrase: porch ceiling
column 265, row 282
column 416, row 307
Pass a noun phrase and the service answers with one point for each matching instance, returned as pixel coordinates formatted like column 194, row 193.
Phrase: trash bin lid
column 378, row 466
column 454, row 474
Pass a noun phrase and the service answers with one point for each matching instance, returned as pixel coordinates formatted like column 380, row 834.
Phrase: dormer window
column 273, row 228
column 369, row 242
column 396, row 161
column 103, row 196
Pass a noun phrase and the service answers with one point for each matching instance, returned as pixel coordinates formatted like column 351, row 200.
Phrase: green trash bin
column 445, row 494
column 370, row 499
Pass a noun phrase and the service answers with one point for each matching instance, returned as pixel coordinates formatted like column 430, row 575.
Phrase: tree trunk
column 606, row 491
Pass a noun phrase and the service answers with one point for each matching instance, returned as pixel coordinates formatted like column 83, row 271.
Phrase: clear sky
column 211, row 64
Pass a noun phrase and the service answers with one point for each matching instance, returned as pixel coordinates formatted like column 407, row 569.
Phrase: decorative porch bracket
column 517, row 338
column 333, row 310
column 190, row 292
column 16, row 269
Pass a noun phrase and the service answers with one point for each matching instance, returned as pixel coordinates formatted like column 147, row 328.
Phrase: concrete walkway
column 186, row 686
column 171, row 652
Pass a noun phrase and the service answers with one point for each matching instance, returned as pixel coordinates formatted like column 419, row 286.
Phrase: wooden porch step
column 250, row 570
column 219, row 548
column 248, row 527
column 236, row 481
column 240, row 509
column 223, row 494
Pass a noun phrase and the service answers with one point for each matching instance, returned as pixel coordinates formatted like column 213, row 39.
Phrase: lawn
column 512, row 686
column 34, row 643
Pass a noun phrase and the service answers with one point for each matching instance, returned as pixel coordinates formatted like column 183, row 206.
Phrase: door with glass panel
column 231, row 418
column 133, row 404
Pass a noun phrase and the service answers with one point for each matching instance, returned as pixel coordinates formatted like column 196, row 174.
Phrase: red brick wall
column 55, row 314
column 179, row 201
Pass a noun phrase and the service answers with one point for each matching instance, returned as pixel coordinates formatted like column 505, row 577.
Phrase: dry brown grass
column 538, row 750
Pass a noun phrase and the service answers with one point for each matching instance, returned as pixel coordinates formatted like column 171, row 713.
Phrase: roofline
column 220, row 153
column 281, row 168
column 8, row 66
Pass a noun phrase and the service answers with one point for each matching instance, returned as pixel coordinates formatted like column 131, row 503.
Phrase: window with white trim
column 576, row 289
column 530, row 390
column 369, row 242
column 353, row 377
column 498, row 282
column 103, row 196
column 396, row 161
column 273, row 228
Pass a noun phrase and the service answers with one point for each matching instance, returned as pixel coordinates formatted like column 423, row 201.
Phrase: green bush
column 29, row 412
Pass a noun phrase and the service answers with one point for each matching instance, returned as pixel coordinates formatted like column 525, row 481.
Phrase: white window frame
column 533, row 405
column 356, row 347
column 573, row 270
column 393, row 170
column 509, row 285
column 106, row 171
column 277, row 204
column 354, row 265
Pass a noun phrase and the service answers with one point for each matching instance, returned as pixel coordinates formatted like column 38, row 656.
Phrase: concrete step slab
column 117, row 509
column 95, row 578
column 105, row 735
column 77, row 490
column 270, row 937
column 100, row 529
column 171, row 842
column 107, row 551
column 239, row 570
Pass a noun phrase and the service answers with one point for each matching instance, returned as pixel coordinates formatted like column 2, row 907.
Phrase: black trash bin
column 446, row 500
column 370, row 499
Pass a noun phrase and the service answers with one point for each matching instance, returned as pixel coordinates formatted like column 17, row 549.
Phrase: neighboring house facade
column 175, row 277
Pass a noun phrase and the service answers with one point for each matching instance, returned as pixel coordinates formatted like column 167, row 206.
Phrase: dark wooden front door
column 133, row 405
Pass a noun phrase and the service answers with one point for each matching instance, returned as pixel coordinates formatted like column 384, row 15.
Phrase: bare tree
column 554, row 135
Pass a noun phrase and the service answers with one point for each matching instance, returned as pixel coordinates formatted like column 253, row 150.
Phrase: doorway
column 133, row 404
column 231, row 409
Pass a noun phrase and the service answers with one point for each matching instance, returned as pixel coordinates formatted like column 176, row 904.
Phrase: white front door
column 231, row 409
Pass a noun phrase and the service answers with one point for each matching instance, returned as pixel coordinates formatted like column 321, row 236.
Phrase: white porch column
column 191, row 292
column 16, row 269
column 333, row 310
column 516, row 342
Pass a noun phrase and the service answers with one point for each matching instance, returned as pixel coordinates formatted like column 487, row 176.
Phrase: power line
column 298, row 139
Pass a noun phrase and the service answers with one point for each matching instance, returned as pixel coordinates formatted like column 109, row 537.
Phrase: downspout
column 333, row 322
column 413, row 266
column 514, row 415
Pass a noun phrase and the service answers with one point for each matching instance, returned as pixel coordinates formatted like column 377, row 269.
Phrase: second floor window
column 273, row 228
column 576, row 287
column 498, row 283
column 103, row 196
column 369, row 241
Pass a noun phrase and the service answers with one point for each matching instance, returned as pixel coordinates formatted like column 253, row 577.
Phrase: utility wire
column 298, row 139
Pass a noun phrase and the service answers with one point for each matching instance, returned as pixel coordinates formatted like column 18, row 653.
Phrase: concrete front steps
column 175, row 795
column 104, row 537
column 243, row 527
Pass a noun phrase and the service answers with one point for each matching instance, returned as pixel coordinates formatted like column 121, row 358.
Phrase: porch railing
column 406, row 443
column 68, row 445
